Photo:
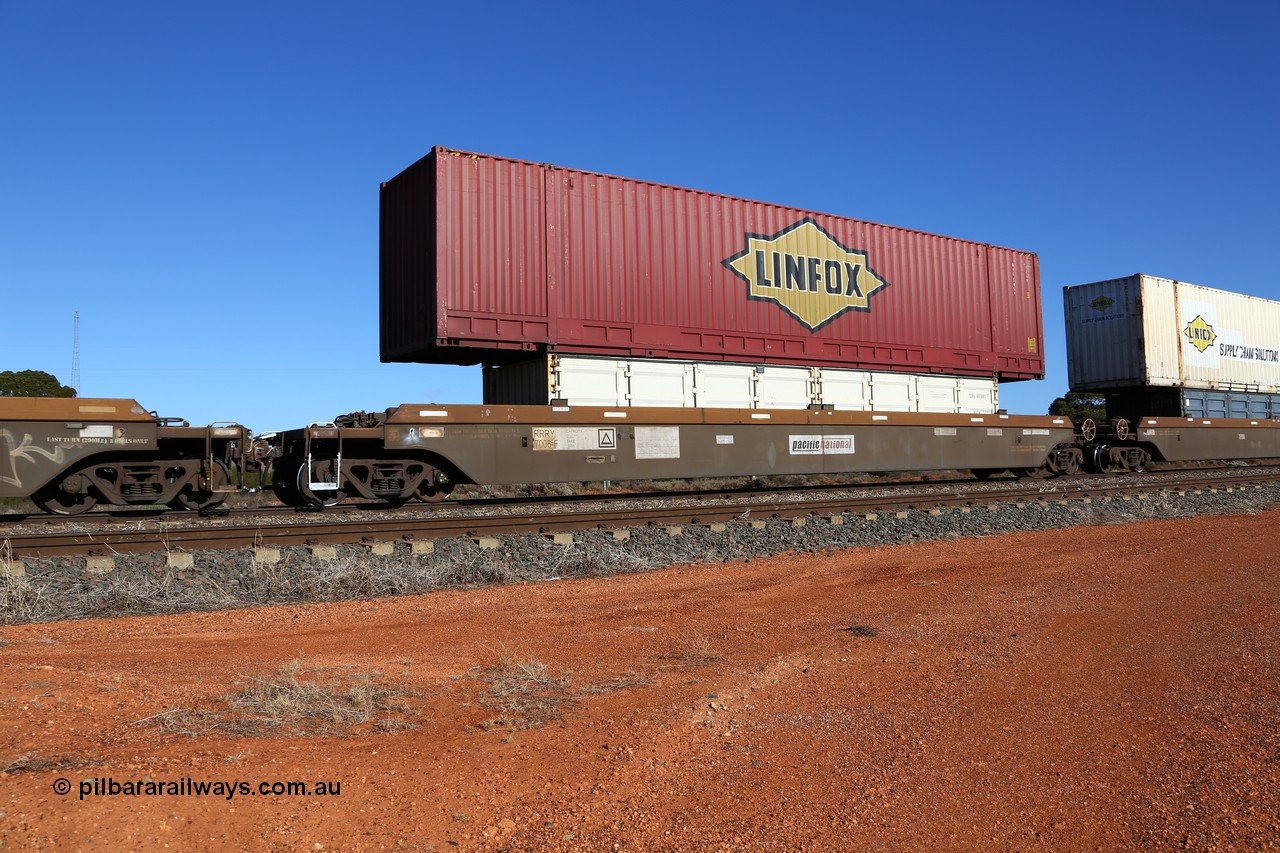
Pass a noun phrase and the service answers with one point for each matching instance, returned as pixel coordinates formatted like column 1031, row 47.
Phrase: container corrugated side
column 526, row 257
column 1104, row 334
column 1147, row 331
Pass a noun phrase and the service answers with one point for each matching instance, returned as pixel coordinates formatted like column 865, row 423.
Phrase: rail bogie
column 69, row 454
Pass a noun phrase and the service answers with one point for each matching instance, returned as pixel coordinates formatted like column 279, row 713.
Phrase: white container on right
column 1147, row 331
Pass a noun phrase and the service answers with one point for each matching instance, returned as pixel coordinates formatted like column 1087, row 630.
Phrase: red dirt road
column 1108, row 687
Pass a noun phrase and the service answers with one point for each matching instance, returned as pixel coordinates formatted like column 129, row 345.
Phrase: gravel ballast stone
column 55, row 588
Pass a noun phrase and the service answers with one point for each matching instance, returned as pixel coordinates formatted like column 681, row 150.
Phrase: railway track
column 508, row 516
column 108, row 515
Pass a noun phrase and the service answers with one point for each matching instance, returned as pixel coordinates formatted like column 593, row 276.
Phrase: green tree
column 1079, row 405
column 32, row 383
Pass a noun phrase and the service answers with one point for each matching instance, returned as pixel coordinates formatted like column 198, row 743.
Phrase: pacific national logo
column 808, row 272
column 1200, row 334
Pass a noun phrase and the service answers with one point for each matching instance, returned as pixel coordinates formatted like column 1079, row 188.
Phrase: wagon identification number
column 808, row 272
column 575, row 438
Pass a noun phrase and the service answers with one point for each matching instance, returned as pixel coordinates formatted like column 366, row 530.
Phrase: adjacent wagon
column 1164, row 348
column 69, row 454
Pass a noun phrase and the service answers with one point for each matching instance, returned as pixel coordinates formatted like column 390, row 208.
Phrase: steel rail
column 115, row 515
column 194, row 538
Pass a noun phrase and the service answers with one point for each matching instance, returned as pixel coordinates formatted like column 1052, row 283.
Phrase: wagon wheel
column 207, row 498
column 1102, row 461
column 433, row 494
column 1138, row 463
column 983, row 473
column 1068, row 468
column 282, row 485
column 1121, row 426
column 1088, row 430
column 434, row 488
column 54, row 499
column 319, row 497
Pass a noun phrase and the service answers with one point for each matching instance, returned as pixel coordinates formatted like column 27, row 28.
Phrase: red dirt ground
column 1095, row 688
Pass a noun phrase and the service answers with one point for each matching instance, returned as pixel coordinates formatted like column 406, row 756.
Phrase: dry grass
column 296, row 701
column 21, row 601
column 31, row 762
column 523, row 692
column 49, row 594
column 693, row 649
column 628, row 681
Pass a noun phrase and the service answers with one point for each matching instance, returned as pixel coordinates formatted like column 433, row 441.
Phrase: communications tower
column 75, row 355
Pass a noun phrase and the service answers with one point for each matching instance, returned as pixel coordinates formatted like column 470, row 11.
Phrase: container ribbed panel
column 530, row 256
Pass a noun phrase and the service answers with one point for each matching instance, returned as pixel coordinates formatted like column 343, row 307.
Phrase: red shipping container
column 486, row 259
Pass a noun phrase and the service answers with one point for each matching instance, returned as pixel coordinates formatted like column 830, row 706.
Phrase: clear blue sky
column 201, row 181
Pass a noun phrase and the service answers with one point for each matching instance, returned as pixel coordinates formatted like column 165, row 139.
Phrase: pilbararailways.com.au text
column 188, row 787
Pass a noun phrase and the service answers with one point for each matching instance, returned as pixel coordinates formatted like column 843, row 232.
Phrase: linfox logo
column 1200, row 334
column 808, row 272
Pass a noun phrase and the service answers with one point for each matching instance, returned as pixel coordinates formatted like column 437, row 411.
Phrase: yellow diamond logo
column 808, row 272
column 1200, row 334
